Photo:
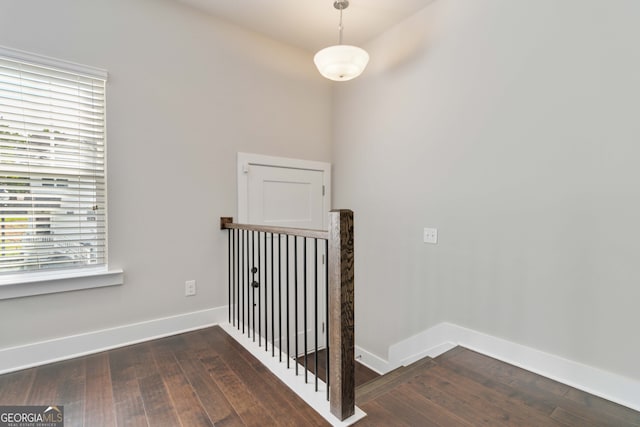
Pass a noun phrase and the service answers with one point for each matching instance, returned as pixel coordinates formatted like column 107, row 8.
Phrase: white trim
column 444, row 336
column 53, row 63
column 300, row 338
column 40, row 353
column 246, row 159
column 432, row 342
column 317, row 400
column 373, row 362
column 49, row 282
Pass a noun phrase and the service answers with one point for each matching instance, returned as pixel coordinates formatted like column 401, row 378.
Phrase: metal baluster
column 259, row 298
column 288, row 325
column 232, row 253
column 237, row 278
column 315, row 299
column 326, row 306
column 229, row 271
column 273, row 338
column 295, row 297
column 315, row 302
column 266, row 300
column 304, row 265
column 253, row 283
column 232, row 272
column 243, row 232
column 280, row 297
column 247, row 283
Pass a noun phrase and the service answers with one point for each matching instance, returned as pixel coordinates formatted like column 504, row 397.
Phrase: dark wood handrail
column 226, row 223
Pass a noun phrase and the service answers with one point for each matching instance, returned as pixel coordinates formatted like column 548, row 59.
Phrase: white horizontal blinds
column 52, row 167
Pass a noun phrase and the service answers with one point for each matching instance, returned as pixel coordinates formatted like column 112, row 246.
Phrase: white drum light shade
column 341, row 62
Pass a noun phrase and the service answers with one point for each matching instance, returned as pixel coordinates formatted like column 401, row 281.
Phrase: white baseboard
column 444, row 336
column 40, row 353
column 301, row 349
column 373, row 362
column 432, row 342
column 292, row 346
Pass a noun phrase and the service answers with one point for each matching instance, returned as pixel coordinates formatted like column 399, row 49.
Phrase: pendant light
column 341, row 62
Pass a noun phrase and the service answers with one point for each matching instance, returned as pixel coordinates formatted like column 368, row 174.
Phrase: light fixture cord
column 340, row 27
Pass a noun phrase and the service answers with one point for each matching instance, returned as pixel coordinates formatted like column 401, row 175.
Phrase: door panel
column 282, row 196
column 285, row 197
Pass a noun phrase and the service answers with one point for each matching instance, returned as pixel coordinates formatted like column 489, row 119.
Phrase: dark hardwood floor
column 465, row 388
column 199, row 378
column 362, row 373
column 204, row 378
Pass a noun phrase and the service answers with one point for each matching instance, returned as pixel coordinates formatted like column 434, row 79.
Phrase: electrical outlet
column 430, row 235
column 189, row 288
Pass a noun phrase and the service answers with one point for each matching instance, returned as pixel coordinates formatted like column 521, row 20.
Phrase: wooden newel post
column 341, row 314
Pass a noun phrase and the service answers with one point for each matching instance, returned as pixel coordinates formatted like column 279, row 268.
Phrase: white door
column 284, row 197
column 288, row 193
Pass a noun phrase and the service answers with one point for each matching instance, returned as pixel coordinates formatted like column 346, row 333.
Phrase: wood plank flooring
column 201, row 378
column 362, row 373
column 205, row 378
column 465, row 388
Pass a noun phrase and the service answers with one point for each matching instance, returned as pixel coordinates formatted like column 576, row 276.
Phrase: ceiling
column 312, row 24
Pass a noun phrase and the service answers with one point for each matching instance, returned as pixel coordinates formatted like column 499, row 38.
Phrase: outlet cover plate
column 189, row 288
column 430, row 235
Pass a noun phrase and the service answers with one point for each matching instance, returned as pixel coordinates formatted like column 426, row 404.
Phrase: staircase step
column 381, row 385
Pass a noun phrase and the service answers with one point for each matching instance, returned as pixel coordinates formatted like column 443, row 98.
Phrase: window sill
column 40, row 283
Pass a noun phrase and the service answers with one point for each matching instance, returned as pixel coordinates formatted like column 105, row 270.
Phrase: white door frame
column 246, row 159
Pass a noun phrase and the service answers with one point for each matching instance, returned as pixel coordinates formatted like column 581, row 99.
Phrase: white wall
column 512, row 127
column 509, row 126
column 185, row 93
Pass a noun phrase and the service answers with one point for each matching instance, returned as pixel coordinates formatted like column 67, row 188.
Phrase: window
column 52, row 164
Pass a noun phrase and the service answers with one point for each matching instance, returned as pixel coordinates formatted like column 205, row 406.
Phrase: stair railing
column 270, row 278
